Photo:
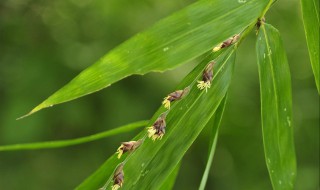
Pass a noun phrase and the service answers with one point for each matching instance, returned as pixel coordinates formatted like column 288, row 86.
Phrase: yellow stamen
column 160, row 136
column 204, row 85
column 115, row 187
column 217, row 48
column 166, row 102
column 156, row 136
column 120, row 151
column 151, row 132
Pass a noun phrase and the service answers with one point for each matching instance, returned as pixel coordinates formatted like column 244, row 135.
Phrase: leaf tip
column 26, row 115
column 38, row 108
column 23, row 116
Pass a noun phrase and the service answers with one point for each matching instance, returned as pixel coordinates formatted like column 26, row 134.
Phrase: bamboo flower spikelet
column 158, row 129
column 128, row 147
column 118, row 177
column 227, row 43
column 260, row 22
column 206, row 77
column 176, row 95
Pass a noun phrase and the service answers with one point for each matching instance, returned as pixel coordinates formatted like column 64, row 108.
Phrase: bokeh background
column 44, row 44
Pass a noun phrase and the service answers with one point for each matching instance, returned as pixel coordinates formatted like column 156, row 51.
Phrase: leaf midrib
column 315, row 10
column 275, row 92
column 145, row 135
column 192, row 105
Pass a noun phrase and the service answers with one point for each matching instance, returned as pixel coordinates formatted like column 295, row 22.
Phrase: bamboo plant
column 214, row 30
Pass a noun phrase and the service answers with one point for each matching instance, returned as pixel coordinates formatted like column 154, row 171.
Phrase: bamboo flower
column 118, row 178
column 260, row 22
column 206, row 77
column 128, row 147
column 158, row 129
column 176, row 95
column 226, row 43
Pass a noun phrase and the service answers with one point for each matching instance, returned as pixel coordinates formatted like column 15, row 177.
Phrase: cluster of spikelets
column 157, row 130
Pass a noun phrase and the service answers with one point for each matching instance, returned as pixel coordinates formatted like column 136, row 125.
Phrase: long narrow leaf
column 70, row 142
column 173, row 41
column 171, row 179
column 310, row 13
column 276, row 108
column 214, row 138
column 149, row 165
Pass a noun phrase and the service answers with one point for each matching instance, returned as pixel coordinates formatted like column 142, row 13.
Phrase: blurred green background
column 44, row 44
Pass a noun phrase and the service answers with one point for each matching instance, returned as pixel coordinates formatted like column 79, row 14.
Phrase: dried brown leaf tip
column 158, row 129
column 227, row 43
column 118, row 177
column 206, row 77
column 176, row 95
column 128, row 147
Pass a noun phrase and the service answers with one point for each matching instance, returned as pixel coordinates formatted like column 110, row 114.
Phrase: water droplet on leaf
column 165, row 49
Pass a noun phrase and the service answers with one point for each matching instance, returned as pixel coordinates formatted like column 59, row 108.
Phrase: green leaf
column 149, row 165
column 173, row 41
column 215, row 123
column 276, row 108
column 310, row 13
column 70, row 142
column 171, row 179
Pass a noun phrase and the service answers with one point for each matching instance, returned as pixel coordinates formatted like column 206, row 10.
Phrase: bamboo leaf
column 215, row 123
column 171, row 179
column 310, row 13
column 71, row 142
column 276, row 108
column 173, row 41
column 149, row 165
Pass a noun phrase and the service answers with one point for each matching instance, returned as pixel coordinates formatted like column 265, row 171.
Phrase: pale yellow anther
column 166, row 102
column 204, row 85
column 115, row 187
column 120, row 151
column 217, row 48
column 151, row 132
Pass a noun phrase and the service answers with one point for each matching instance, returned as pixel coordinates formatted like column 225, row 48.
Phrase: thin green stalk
column 215, row 130
column 70, row 142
